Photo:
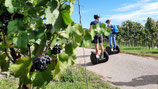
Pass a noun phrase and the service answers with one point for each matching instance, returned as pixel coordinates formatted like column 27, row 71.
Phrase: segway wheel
column 108, row 49
column 93, row 58
column 106, row 56
column 118, row 49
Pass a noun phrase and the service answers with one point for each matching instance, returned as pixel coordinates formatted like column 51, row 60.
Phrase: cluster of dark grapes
column 56, row 49
column 6, row 17
column 48, row 26
column 14, row 55
column 40, row 63
column 1, row 38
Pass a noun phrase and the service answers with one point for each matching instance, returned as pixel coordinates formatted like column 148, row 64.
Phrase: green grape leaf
column 51, row 17
column 64, row 34
column 63, row 20
column 4, row 63
column 63, row 60
column 87, row 39
column 76, row 37
column 107, row 32
column 16, row 26
column 1, row 24
column 69, row 49
column 66, row 14
column 40, row 79
column 21, row 70
column 59, row 24
column 75, row 31
column 11, row 8
column 103, row 25
column 61, row 1
column 72, row 1
column 79, row 27
column 22, row 40
column 52, row 12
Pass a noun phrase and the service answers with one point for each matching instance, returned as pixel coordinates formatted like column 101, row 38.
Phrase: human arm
column 90, row 28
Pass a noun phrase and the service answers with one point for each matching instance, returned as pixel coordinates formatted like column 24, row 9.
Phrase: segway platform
column 95, row 60
column 116, row 51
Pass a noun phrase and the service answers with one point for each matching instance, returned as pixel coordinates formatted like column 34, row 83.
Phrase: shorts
column 98, row 39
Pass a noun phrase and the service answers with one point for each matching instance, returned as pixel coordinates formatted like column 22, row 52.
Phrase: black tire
column 106, row 56
column 118, row 49
column 93, row 58
column 108, row 49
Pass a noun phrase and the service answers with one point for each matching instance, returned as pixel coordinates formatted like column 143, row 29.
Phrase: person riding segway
column 98, row 39
column 113, row 49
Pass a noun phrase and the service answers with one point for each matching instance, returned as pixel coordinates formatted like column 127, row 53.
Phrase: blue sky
column 116, row 10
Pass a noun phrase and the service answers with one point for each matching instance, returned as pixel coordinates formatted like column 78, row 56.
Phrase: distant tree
column 151, row 30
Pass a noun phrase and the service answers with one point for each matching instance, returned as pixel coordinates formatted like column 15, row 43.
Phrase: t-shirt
column 110, row 26
column 95, row 23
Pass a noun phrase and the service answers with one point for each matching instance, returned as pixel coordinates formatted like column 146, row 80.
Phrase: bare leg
column 96, row 48
column 102, row 49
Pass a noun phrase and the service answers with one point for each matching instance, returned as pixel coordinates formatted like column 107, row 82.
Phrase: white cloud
column 127, row 7
column 141, row 14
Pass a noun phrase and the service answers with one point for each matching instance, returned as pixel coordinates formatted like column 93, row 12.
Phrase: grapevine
column 34, row 48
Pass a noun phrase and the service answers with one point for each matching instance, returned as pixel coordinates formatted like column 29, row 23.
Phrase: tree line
column 135, row 34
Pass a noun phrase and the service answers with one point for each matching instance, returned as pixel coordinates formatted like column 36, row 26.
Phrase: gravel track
column 124, row 70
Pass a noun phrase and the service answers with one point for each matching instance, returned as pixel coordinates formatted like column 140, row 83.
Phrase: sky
column 116, row 10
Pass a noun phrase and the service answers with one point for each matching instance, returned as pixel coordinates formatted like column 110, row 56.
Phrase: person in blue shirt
column 98, row 39
column 111, row 37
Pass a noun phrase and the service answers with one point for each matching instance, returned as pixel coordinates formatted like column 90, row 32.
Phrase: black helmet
column 96, row 16
column 107, row 20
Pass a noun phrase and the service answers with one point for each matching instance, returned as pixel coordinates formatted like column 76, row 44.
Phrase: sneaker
column 97, row 56
column 102, row 57
column 112, row 49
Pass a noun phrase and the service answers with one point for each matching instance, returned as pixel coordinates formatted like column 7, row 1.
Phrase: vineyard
column 135, row 34
column 38, row 41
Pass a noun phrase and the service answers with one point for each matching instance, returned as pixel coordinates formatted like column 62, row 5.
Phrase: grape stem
column 12, row 16
column 29, row 50
column 4, row 41
column 49, row 45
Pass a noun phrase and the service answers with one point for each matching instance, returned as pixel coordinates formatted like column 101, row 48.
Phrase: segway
column 115, row 51
column 95, row 60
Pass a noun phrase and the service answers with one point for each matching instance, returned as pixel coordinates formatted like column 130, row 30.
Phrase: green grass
column 143, row 51
column 8, row 83
column 74, row 78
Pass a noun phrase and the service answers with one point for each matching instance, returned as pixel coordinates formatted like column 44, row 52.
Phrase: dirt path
column 124, row 70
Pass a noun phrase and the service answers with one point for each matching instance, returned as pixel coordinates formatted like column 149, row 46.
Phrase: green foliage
column 22, row 70
column 16, row 26
column 4, row 64
column 8, row 83
column 1, row 24
column 143, row 51
column 73, row 78
column 135, row 34
column 100, row 29
column 11, row 8
column 21, row 40
column 30, row 38
column 40, row 79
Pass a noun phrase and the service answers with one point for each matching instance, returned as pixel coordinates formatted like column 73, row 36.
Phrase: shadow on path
column 140, row 81
column 83, row 56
